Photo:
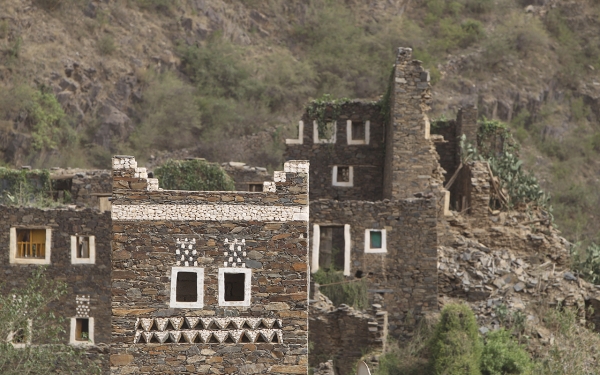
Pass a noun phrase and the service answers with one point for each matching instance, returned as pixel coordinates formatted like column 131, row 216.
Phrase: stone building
column 209, row 282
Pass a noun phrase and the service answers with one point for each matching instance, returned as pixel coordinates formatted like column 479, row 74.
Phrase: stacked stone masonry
column 153, row 332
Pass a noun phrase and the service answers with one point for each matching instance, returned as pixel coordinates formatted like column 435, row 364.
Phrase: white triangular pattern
column 206, row 322
column 176, row 323
column 222, row 322
column 251, row 335
column 192, row 321
column 205, row 335
column 280, row 336
column 137, row 336
column 236, row 335
column 161, row 323
column 267, row 334
column 268, row 322
column 253, row 322
column 161, row 336
column 175, row 336
column 137, row 324
column 147, row 323
column 220, row 335
column 148, row 337
column 190, row 336
column 279, row 323
column 238, row 322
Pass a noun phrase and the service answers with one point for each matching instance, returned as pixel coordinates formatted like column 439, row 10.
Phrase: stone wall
column 85, row 186
column 411, row 162
column 91, row 280
column 402, row 279
column 365, row 159
column 448, row 148
column 244, row 176
column 262, row 235
column 345, row 335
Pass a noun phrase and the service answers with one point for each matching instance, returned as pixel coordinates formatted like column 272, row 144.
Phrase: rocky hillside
column 227, row 79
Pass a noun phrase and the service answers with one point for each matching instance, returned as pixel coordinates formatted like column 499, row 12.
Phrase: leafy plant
column 197, row 175
column 106, row 45
column 352, row 293
column 588, row 263
column 455, row 346
column 503, row 355
column 324, row 110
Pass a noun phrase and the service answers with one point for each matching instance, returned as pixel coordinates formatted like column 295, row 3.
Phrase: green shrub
column 193, row 175
column 106, row 45
column 503, row 355
column 353, row 293
column 455, row 345
column 587, row 263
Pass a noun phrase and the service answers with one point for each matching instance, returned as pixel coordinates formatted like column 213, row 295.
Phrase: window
column 82, row 331
column 331, row 247
column 375, row 241
column 234, row 286
column 21, row 337
column 30, row 245
column 300, row 139
column 255, row 187
column 83, row 249
column 104, row 204
column 342, row 176
column 187, row 287
column 325, row 133
column 358, row 132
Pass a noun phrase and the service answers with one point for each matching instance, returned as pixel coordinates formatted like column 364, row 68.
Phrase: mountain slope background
column 228, row 79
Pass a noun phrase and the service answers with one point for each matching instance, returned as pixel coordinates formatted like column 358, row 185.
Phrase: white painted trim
column 72, row 340
column 12, row 254
column 334, row 180
column 27, row 336
column 199, row 288
column 383, row 248
column 347, row 247
column 315, row 247
column 427, row 128
column 91, row 259
column 447, row 203
column 209, row 212
column 358, row 141
column 247, row 286
column 300, row 138
column 316, row 138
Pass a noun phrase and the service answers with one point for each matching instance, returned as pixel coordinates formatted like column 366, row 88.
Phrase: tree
column 31, row 339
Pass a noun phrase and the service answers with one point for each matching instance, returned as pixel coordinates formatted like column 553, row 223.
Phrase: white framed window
column 358, row 132
column 326, row 134
column 235, row 286
column 82, row 331
column 30, row 245
column 342, row 176
column 300, row 139
column 21, row 337
column 83, row 249
column 331, row 246
column 375, row 241
column 187, row 287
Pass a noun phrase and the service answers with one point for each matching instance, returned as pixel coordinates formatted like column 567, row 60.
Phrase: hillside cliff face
column 228, row 79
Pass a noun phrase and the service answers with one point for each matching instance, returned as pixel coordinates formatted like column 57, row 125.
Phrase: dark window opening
column 83, row 247
column 375, row 239
column 255, row 187
column 331, row 247
column 82, row 329
column 343, row 174
column 187, row 287
column 358, row 130
column 358, row 274
column 234, row 286
column 20, row 337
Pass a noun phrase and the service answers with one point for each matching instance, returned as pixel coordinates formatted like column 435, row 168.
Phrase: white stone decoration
column 236, row 335
column 186, row 253
column 269, row 187
column 247, row 286
column 222, row 323
column 161, row 336
column 235, row 253
column 190, row 336
column 199, row 288
column 253, row 322
column 175, row 336
column 268, row 322
column 238, row 322
column 137, row 336
column 207, row 212
column 206, row 322
column 161, row 323
column 205, row 335
column 267, row 334
column 82, row 309
column 147, row 323
column 176, row 323
column 251, row 335
column 148, row 336
column 299, row 140
column 191, row 321
column 296, row 166
column 279, row 176
column 220, row 335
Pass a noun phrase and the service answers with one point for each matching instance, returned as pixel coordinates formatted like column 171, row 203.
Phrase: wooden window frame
column 13, row 247
column 92, row 244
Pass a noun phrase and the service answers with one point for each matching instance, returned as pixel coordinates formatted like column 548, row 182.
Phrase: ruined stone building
column 209, row 282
